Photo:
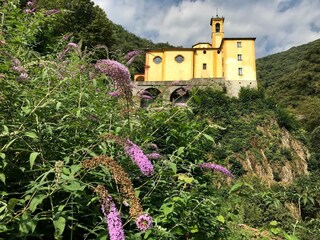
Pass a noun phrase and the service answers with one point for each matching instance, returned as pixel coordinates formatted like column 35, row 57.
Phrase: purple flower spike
column 146, row 96
column 114, row 94
column 113, row 219
column 137, row 155
column 154, row 155
column 132, row 55
column 216, row 167
column 144, row 222
column 71, row 44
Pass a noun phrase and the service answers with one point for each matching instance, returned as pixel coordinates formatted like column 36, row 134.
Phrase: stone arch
column 148, row 96
column 180, row 95
column 140, row 78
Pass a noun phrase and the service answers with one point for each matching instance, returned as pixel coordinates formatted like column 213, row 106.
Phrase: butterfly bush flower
column 114, row 94
column 132, row 55
column 153, row 155
column 216, row 167
column 71, row 44
column 137, row 155
column 113, row 219
column 144, row 222
column 118, row 73
column 23, row 76
column 52, row 12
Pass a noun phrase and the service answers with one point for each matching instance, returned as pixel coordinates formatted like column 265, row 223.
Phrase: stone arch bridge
column 179, row 91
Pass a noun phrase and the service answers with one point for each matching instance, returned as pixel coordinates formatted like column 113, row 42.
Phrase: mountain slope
column 293, row 79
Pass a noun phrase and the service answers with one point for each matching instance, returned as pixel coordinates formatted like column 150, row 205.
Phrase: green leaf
column 235, row 187
column 146, row 235
column 167, row 208
column 59, row 225
column 73, row 187
column 290, row 237
column 32, row 135
column 3, row 178
column 221, row 219
column 27, row 224
column 184, row 178
column 180, row 151
column 2, row 155
column 36, row 201
column 5, row 130
column 58, row 106
column 275, row 230
column 32, row 158
column 273, row 223
column 173, row 166
column 194, row 229
column 12, row 203
column 208, row 137
column 3, row 228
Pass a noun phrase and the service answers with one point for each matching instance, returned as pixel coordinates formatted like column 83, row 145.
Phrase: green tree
column 85, row 21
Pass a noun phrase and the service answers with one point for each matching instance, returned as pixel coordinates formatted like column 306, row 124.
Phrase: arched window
column 217, row 27
column 140, row 79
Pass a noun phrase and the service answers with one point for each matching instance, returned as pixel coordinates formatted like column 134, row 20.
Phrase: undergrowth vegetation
column 80, row 163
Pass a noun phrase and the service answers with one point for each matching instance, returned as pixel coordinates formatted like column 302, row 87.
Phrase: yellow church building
column 231, row 60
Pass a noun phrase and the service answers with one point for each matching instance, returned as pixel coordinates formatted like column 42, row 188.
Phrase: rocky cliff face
column 276, row 156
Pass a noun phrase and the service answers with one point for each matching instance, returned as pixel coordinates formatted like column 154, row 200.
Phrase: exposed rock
column 289, row 159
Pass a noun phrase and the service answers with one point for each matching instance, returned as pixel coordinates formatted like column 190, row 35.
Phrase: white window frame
column 240, row 71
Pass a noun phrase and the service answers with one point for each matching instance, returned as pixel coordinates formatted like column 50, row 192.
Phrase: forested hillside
column 292, row 78
column 80, row 160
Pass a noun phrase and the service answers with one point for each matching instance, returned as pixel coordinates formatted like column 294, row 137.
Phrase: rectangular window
column 239, row 57
column 240, row 71
column 239, row 44
column 204, row 66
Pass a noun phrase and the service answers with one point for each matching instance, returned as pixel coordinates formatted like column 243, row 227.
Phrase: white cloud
column 277, row 24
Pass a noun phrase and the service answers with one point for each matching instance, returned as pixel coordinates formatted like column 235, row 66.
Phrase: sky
column 277, row 24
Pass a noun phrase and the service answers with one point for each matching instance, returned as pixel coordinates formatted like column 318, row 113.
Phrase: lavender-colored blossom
column 28, row 11
column 144, row 222
column 118, row 73
column 23, row 76
column 115, row 70
column 30, row 3
column 137, row 155
column 143, row 96
column 153, row 155
column 216, row 167
column 17, row 69
column 153, row 146
column 114, row 94
column 71, row 44
column 113, row 219
column 51, row 12
column 132, row 55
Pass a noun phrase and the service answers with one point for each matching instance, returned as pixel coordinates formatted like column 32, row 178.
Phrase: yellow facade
column 232, row 59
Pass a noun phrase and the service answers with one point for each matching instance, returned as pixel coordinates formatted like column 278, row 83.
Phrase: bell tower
column 217, row 32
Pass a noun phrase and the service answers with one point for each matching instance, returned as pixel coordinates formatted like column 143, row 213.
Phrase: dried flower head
column 121, row 178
